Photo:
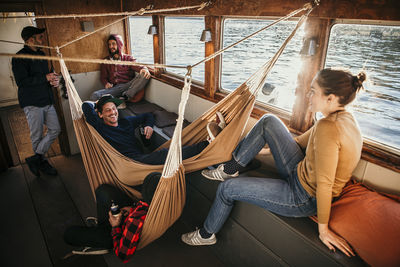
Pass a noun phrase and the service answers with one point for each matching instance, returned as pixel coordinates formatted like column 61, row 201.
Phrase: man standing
column 120, row 80
column 35, row 96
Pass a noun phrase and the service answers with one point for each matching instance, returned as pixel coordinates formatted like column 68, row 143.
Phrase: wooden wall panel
column 61, row 31
column 211, row 79
column 371, row 9
column 318, row 29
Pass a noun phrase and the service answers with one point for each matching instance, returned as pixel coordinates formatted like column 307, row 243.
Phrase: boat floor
column 36, row 211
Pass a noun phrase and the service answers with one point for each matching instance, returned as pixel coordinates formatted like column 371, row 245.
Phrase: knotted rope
column 142, row 11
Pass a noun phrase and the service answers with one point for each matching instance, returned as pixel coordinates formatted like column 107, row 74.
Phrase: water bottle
column 115, row 210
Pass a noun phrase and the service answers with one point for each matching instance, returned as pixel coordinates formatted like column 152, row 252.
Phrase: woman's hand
column 332, row 240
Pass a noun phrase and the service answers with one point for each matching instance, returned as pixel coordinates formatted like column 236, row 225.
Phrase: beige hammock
column 106, row 165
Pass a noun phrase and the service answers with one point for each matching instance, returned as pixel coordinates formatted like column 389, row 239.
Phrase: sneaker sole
column 202, row 244
column 96, row 252
column 210, row 134
column 211, row 177
column 221, row 118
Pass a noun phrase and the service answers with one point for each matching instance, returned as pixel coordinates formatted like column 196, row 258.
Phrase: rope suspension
column 309, row 7
column 88, row 60
column 142, row 11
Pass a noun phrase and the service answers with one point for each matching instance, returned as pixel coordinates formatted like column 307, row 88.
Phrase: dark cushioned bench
column 251, row 236
column 165, row 121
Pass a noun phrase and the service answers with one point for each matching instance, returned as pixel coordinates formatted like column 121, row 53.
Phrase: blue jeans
column 284, row 196
column 37, row 117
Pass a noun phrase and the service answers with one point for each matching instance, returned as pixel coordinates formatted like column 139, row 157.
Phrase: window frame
column 373, row 151
column 261, row 107
column 129, row 39
column 172, row 75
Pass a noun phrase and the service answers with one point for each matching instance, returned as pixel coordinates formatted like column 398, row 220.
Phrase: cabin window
column 141, row 42
column 183, row 46
column 376, row 50
column 239, row 62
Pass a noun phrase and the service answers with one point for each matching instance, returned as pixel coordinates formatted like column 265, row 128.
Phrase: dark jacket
column 122, row 137
column 116, row 74
column 30, row 76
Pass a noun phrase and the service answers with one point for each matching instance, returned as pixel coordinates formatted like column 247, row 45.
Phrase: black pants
column 99, row 236
column 158, row 157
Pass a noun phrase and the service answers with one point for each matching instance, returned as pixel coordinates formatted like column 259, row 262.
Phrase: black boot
column 47, row 168
column 34, row 164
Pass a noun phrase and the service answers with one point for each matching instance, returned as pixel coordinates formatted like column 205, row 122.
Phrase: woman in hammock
column 308, row 182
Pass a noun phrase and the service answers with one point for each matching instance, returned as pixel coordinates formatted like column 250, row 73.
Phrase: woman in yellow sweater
column 313, row 167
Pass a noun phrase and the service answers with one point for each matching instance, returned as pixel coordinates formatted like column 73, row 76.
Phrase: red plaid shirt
column 126, row 236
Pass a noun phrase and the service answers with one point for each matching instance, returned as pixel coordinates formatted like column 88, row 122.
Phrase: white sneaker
column 122, row 106
column 194, row 239
column 220, row 120
column 91, row 221
column 90, row 251
column 214, row 128
column 218, row 173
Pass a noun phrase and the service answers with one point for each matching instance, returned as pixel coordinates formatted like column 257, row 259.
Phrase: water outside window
column 240, row 62
column 183, row 46
column 376, row 50
column 141, row 42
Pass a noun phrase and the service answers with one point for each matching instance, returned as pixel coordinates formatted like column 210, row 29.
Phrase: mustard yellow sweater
column 333, row 148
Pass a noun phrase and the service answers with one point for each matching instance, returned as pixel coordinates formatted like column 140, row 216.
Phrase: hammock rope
column 308, row 6
column 104, row 164
column 125, row 15
column 142, row 11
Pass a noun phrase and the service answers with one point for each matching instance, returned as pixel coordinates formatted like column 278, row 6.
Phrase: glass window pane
column 141, row 42
column 183, row 46
column 376, row 49
column 239, row 62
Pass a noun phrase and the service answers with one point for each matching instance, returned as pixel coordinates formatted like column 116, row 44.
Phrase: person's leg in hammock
column 99, row 236
column 268, row 130
column 158, row 157
column 115, row 91
column 213, row 129
column 283, row 196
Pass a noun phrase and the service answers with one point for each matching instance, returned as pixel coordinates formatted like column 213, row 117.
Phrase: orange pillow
column 370, row 222
column 137, row 97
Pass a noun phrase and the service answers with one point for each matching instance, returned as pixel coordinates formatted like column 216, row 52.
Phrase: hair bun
column 358, row 80
column 362, row 76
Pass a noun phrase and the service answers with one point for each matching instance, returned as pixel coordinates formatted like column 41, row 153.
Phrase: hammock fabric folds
column 104, row 164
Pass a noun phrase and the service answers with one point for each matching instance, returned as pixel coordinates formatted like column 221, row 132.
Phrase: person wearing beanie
column 121, row 80
column 35, row 96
